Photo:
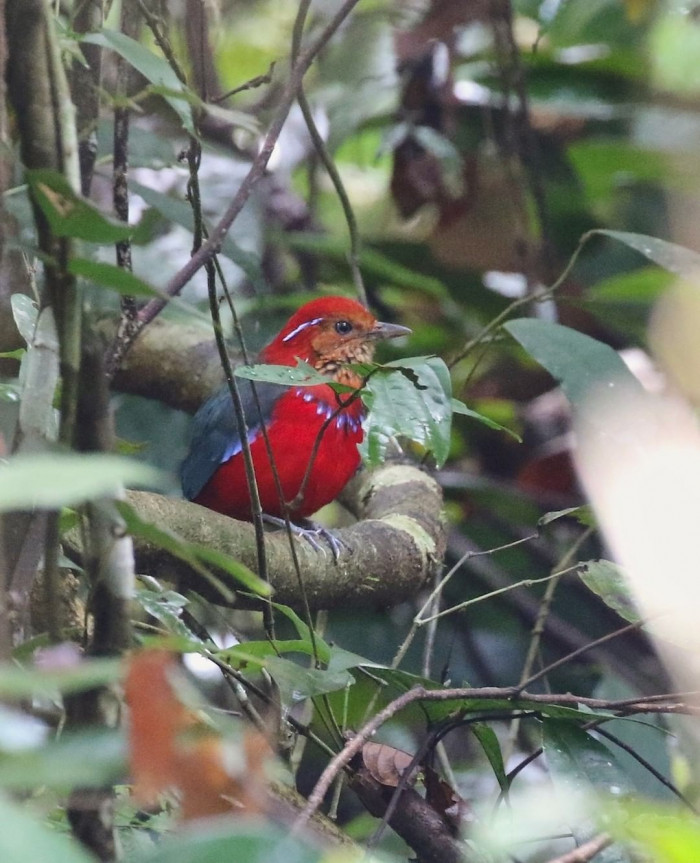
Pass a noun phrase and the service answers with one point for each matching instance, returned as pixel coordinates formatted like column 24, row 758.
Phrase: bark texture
column 387, row 557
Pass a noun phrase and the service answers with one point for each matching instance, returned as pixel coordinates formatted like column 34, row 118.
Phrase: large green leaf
column 672, row 257
column 70, row 215
column 88, row 758
column 232, row 839
column 51, row 480
column 607, row 580
column 440, row 710
column 297, row 683
column 155, row 69
column 127, row 284
column 488, row 739
column 24, row 837
column 579, row 764
column 409, row 399
column 578, row 362
column 25, row 313
column 25, row 682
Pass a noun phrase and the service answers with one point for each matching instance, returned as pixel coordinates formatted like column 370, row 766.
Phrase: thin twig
column 585, row 852
column 630, row 750
column 545, row 294
column 539, row 625
column 520, row 700
column 419, row 620
column 546, row 602
column 257, row 168
column 564, row 660
column 258, row 81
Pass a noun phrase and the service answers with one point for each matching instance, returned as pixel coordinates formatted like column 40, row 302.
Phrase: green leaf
column 9, row 393
column 459, row 407
column 25, row 312
column 52, row 480
column 411, row 399
column 195, row 555
column 166, row 606
column 13, row 355
column 607, row 580
column 24, row 837
column 89, row 759
column 672, row 257
column 488, row 739
column 303, row 631
column 256, row 652
column 669, row 833
column 230, row 839
column 576, row 361
column 583, row 514
column 300, row 375
column 579, row 764
column 440, row 710
column 155, row 69
column 110, row 276
column 297, row 683
column 25, row 682
column 70, row 215
column 127, row 284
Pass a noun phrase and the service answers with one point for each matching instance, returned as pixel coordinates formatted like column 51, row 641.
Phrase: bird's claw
column 310, row 531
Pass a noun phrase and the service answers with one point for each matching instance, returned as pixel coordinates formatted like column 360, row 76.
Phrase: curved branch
column 176, row 364
column 387, row 557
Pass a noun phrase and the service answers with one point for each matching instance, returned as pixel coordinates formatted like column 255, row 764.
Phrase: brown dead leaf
column 386, row 764
column 172, row 748
column 448, row 803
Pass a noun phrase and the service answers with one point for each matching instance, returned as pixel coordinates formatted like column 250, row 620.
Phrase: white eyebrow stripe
column 301, row 327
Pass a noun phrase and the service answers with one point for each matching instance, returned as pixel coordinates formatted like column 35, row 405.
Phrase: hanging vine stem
column 520, row 127
column 330, row 166
column 120, row 187
column 255, row 173
column 538, row 627
column 419, row 620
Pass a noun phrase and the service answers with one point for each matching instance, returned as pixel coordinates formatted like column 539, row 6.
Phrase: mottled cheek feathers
column 328, row 333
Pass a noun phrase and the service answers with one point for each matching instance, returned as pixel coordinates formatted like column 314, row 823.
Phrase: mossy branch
column 388, row 556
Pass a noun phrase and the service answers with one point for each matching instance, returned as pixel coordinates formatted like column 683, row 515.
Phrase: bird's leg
column 309, row 531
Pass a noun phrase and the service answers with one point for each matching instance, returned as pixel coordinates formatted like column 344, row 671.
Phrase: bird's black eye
column 343, row 327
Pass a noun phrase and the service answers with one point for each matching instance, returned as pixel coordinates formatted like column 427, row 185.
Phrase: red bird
column 328, row 333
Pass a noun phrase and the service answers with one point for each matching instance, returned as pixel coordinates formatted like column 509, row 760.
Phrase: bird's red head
column 329, row 332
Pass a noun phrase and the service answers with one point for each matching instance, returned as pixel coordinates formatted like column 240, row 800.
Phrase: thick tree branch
column 415, row 820
column 175, row 364
column 388, row 556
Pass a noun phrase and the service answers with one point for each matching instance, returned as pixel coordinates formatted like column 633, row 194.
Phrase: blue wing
column 215, row 436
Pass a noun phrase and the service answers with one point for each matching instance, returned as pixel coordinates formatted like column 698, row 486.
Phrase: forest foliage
column 502, row 664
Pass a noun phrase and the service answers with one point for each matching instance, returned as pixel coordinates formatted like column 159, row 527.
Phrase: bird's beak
column 387, row 331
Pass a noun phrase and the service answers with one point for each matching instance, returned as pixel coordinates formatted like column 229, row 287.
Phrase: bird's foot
column 310, row 531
